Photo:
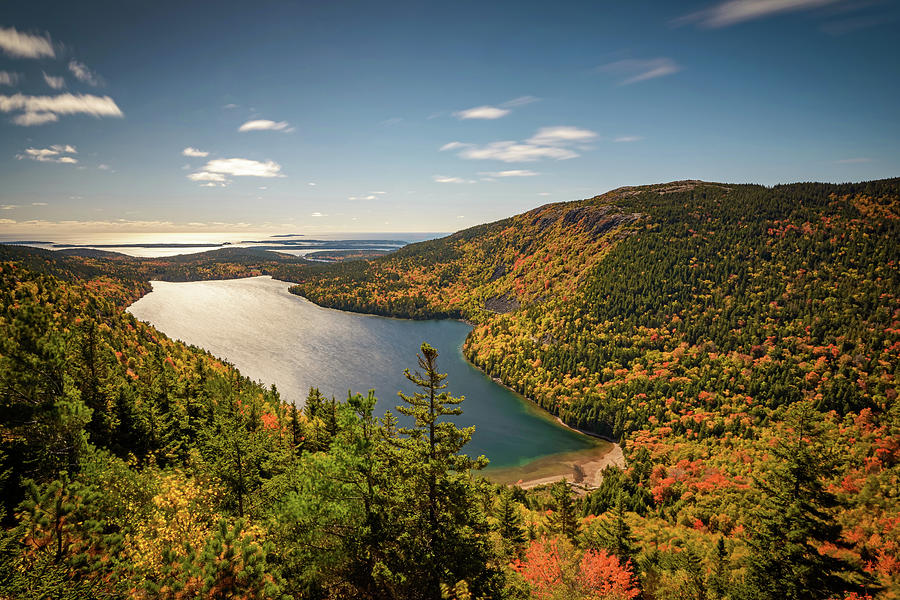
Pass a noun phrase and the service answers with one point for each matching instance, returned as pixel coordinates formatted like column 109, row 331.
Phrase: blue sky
column 362, row 116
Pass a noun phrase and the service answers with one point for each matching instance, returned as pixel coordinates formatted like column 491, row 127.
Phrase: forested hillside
column 741, row 342
column 698, row 323
column 133, row 466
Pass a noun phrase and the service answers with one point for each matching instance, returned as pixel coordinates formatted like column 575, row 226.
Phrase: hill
column 691, row 321
column 740, row 341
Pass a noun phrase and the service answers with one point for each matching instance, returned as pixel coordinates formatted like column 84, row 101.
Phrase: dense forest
column 692, row 321
column 741, row 342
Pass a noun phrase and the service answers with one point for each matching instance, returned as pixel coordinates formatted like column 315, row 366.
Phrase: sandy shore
column 584, row 468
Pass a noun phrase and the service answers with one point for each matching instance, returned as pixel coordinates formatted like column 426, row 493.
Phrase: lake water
column 276, row 337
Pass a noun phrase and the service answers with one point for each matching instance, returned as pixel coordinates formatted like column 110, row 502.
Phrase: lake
column 276, row 337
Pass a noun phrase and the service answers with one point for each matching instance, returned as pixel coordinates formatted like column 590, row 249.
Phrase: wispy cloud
column 510, row 173
column 83, row 74
column 557, row 143
column 8, row 78
column 561, row 136
column 216, row 172
column 489, row 112
column 318, row 214
column 733, row 12
column 635, row 70
column 57, row 83
column 511, row 152
column 37, row 110
column 627, row 138
column 482, row 112
column 453, row 146
column 28, row 119
column 266, row 125
column 445, row 179
column 190, row 151
column 368, row 197
column 520, row 101
column 853, row 161
column 25, row 45
column 57, row 153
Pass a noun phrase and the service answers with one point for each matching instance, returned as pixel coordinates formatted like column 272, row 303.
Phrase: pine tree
column 720, row 578
column 509, row 524
column 449, row 531
column 616, row 533
column 796, row 518
column 563, row 520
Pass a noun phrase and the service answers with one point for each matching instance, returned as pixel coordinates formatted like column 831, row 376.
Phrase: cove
column 273, row 336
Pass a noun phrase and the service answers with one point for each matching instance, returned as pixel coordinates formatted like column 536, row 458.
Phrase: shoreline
column 581, row 467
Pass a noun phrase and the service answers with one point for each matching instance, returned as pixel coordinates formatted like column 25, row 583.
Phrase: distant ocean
column 171, row 244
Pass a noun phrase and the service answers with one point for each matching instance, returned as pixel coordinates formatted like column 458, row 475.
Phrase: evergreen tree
column 564, row 520
column 448, row 532
column 796, row 518
column 720, row 578
column 616, row 533
column 509, row 524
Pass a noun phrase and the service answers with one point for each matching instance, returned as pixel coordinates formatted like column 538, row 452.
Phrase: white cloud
column 547, row 143
column 190, row 151
column 104, row 167
column 266, row 125
column 445, row 179
column 318, row 214
column 7, row 222
column 8, row 78
column 520, row 101
column 312, row 183
column 8, row 206
column 37, row 110
column 636, row 70
column 453, row 146
column 482, row 112
column 379, row 193
column 39, row 204
column 82, row 73
column 511, row 173
column 516, row 152
column 853, row 161
column 34, row 118
column 369, row 197
column 733, row 12
column 217, row 171
column 207, row 176
column 25, row 45
column 627, row 138
column 560, row 136
column 57, row 83
column 230, row 106
column 243, row 167
column 55, row 153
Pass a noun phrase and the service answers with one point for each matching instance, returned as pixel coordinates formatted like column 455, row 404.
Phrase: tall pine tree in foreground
column 448, row 532
column 796, row 519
